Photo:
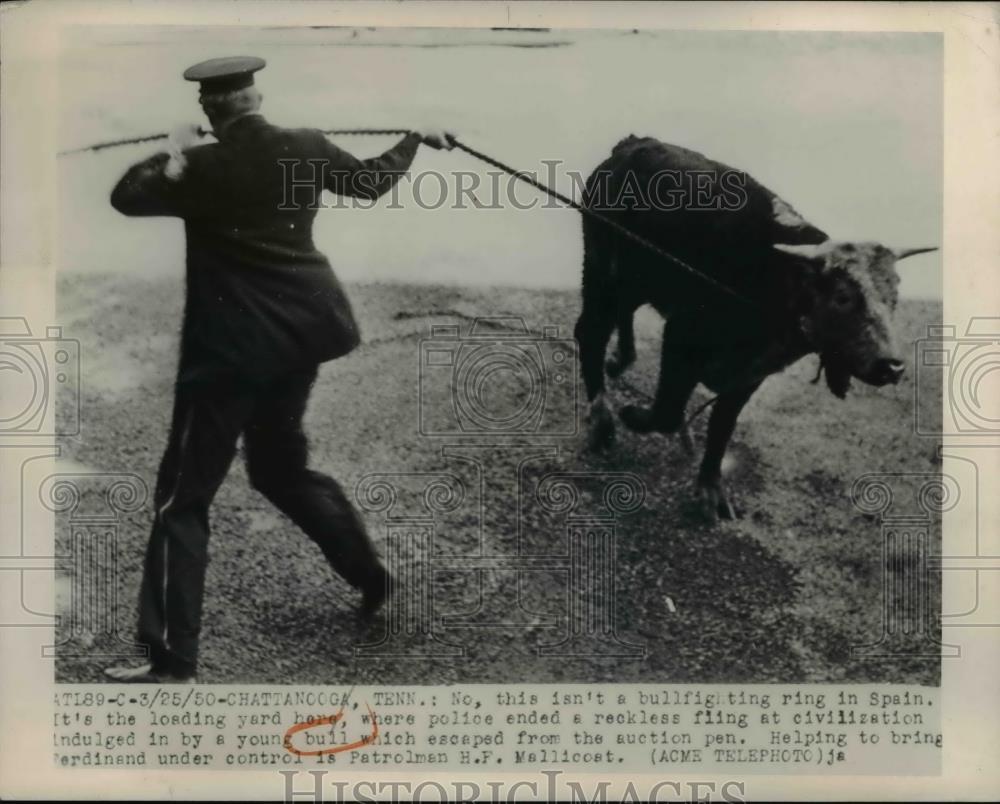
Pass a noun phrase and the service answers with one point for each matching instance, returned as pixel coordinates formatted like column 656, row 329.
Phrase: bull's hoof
column 713, row 503
column 601, row 425
column 637, row 418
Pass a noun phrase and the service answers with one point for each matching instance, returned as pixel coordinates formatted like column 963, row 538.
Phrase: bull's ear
column 807, row 251
column 903, row 253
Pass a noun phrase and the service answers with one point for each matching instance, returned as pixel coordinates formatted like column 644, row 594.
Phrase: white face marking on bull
column 849, row 292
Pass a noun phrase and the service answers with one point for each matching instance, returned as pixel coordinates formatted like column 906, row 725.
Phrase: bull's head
column 845, row 296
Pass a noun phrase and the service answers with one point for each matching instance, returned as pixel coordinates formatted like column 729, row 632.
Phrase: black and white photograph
column 710, row 356
column 498, row 397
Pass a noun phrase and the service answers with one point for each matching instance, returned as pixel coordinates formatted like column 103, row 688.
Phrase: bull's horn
column 807, row 251
column 903, row 253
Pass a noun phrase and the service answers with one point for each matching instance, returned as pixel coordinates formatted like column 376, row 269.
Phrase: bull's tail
column 597, row 260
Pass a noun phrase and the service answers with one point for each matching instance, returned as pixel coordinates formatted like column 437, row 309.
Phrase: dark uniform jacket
column 261, row 299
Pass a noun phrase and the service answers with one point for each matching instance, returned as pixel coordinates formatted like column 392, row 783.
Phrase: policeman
column 263, row 310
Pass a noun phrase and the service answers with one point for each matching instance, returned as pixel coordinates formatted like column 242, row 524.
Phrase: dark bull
column 800, row 293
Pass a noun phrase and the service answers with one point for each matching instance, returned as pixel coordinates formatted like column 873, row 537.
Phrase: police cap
column 226, row 74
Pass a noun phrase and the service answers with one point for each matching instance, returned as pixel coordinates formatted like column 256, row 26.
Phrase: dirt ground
column 781, row 594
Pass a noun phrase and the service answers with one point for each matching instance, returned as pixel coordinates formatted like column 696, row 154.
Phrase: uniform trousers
column 209, row 417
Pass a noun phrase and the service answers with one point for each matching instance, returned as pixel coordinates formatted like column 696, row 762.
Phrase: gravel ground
column 778, row 595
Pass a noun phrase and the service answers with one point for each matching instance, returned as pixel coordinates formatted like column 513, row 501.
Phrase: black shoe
column 373, row 596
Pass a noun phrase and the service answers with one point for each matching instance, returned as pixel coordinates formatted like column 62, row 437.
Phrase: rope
column 518, row 174
column 622, row 230
column 100, row 146
column 376, row 131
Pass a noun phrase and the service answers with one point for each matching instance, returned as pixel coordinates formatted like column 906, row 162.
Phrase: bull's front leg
column 679, row 370
column 711, row 494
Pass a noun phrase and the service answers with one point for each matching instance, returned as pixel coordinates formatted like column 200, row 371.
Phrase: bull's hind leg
column 624, row 355
column 594, row 327
column 711, row 494
column 593, row 331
